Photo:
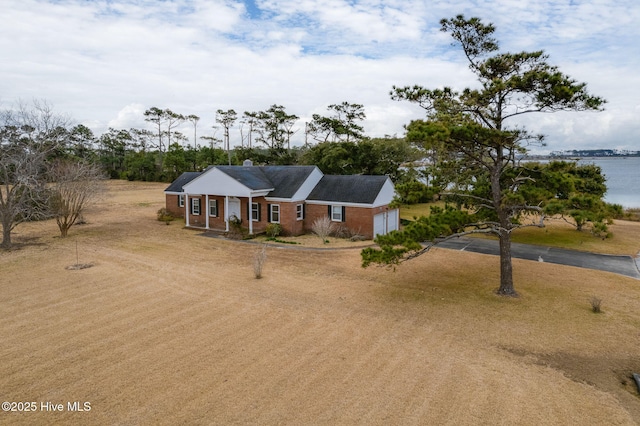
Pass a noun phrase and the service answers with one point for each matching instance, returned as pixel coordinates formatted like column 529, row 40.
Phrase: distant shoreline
column 576, row 157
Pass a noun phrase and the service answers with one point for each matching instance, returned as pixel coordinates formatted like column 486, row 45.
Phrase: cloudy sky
column 105, row 62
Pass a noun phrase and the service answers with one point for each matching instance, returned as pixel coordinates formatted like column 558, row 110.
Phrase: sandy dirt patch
column 170, row 327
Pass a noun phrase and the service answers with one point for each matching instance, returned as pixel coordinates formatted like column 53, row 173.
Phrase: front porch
column 218, row 213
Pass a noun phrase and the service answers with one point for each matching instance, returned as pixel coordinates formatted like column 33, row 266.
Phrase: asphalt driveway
column 623, row 265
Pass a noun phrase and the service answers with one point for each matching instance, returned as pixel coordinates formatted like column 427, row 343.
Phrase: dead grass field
column 169, row 327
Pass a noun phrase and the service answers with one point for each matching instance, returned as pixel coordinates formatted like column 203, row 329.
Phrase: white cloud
column 219, row 16
column 128, row 117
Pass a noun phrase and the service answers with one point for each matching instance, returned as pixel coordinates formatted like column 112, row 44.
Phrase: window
column 255, row 212
column 275, row 213
column 195, row 206
column 213, row 208
column 337, row 213
column 181, row 200
column 299, row 211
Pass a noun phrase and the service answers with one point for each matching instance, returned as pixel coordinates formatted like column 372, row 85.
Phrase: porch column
column 226, row 211
column 206, row 210
column 187, row 202
column 250, row 215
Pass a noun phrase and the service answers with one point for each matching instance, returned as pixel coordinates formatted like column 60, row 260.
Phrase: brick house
column 293, row 196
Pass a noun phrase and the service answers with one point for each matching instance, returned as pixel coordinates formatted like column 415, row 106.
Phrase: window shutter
column 213, row 203
column 268, row 212
column 259, row 212
column 248, row 211
column 304, row 210
column 329, row 212
column 344, row 218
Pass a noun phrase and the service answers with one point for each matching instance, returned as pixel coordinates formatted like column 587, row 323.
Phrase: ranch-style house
column 293, row 196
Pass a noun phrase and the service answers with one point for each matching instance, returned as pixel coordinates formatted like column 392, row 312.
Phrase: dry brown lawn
column 170, row 327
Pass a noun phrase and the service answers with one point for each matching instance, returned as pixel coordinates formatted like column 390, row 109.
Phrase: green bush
column 165, row 215
column 273, row 230
column 236, row 230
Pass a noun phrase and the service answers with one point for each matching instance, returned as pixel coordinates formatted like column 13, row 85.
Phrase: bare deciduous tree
column 29, row 134
column 323, row 227
column 75, row 185
column 259, row 259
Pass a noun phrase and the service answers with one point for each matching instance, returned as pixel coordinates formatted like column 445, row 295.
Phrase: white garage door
column 385, row 222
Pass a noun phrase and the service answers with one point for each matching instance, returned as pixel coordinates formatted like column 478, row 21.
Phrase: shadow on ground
column 611, row 375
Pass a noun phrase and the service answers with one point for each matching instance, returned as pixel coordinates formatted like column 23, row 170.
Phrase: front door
column 233, row 208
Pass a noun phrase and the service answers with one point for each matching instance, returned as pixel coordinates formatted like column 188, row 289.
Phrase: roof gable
column 215, row 181
column 357, row 189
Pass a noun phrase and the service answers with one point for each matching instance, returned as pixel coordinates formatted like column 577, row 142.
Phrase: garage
column 385, row 222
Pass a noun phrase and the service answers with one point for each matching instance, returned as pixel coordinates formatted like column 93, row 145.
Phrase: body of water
column 623, row 179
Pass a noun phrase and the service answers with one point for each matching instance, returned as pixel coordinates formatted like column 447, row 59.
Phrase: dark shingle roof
column 183, row 179
column 286, row 179
column 360, row 189
column 251, row 177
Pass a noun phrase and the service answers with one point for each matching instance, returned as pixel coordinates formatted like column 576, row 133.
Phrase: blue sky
column 105, row 62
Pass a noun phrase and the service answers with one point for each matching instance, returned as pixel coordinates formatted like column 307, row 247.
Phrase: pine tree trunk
column 506, row 267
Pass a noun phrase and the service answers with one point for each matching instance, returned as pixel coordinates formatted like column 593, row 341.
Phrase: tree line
column 335, row 142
